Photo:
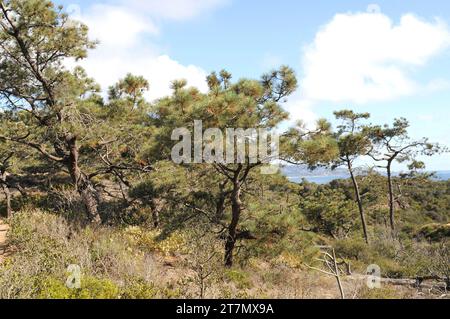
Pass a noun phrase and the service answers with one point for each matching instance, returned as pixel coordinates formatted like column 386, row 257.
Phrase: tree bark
column 391, row 196
column 359, row 201
column 7, row 193
column 236, row 210
column 220, row 205
column 154, row 206
column 82, row 183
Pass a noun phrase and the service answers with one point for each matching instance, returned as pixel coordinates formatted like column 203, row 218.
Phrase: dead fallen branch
column 419, row 283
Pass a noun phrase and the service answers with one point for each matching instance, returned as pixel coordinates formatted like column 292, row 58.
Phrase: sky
column 389, row 58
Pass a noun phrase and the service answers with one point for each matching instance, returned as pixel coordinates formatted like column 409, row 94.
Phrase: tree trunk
column 82, row 183
column 154, row 206
column 391, row 196
column 7, row 193
column 236, row 209
column 359, row 201
column 220, row 208
column 220, row 203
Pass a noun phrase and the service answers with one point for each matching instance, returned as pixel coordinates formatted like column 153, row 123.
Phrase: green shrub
column 91, row 288
column 353, row 249
column 435, row 232
column 138, row 289
column 390, row 268
column 240, row 278
column 148, row 240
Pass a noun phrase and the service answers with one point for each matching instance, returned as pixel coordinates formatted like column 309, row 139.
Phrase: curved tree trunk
column 82, row 183
column 89, row 198
column 7, row 194
column 220, row 204
column 359, row 201
column 391, row 196
column 4, row 185
column 236, row 210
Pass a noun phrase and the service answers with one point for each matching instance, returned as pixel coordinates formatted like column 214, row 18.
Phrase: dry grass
column 132, row 263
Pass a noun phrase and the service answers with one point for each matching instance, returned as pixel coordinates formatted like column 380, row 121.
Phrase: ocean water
column 443, row 175
column 317, row 179
column 325, row 179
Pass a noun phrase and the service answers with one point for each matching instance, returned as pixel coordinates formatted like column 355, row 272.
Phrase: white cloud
column 301, row 109
column 159, row 70
column 116, row 25
column 126, row 46
column 365, row 57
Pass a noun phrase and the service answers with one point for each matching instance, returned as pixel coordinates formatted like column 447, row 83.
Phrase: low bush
column 435, row 232
column 91, row 288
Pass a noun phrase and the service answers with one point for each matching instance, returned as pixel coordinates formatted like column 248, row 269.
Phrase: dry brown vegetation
column 130, row 262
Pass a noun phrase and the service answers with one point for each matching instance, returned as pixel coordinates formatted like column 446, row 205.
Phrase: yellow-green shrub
column 138, row 289
column 148, row 240
column 240, row 278
column 91, row 288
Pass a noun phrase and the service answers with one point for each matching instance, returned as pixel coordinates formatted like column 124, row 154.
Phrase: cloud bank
column 359, row 58
column 126, row 31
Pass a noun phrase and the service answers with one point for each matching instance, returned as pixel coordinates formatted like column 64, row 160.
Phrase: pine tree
column 393, row 144
column 353, row 142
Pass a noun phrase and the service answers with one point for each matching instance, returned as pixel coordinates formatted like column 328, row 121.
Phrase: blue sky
column 389, row 58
